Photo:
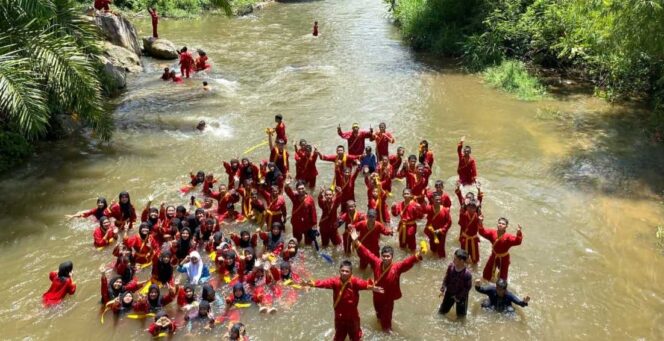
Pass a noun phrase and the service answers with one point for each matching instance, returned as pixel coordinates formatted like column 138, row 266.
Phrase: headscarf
column 194, row 270
column 125, row 208
column 274, row 241
column 112, row 293
column 208, row 290
column 164, row 270
column 184, row 245
column 244, row 297
column 249, row 264
column 65, row 269
column 156, row 303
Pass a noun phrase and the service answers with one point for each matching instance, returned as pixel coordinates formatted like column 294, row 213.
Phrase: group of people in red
column 172, row 238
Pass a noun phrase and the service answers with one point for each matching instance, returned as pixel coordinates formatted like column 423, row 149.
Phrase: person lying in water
column 498, row 298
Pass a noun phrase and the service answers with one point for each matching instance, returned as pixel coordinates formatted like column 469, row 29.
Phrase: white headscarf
column 194, row 271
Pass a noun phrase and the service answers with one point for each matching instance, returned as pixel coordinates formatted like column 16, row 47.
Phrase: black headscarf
column 99, row 213
column 249, row 264
column 184, row 245
column 125, row 208
column 164, row 270
column 65, row 269
column 208, row 291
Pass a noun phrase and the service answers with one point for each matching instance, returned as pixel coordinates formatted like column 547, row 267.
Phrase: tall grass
column 513, row 77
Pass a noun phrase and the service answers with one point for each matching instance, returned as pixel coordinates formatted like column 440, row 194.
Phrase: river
column 586, row 190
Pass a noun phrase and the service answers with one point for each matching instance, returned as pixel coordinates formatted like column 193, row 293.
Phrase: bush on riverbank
column 182, row 8
column 513, row 77
column 14, row 149
column 617, row 45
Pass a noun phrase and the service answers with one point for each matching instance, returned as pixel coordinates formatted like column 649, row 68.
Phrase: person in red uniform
column 305, row 165
column 469, row 221
column 387, row 275
column 410, row 212
column 98, row 212
column 355, row 138
column 439, row 187
column 186, row 62
column 275, row 212
column 303, row 217
column 467, row 168
column 501, row 242
column 280, row 128
column 369, row 235
column 155, row 21
column 341, row 162
column 438, row 223
column 418, row 181
column 396, row 160
column 315, row 32
column 123, row 212
column 385, row 173
column 248, row 171
column 162, row 326
column 329, row 202
column 274, row 241
column 245, row 196
column 142, row 245
column 223, row 196
column 231, row 216
column 347, row 186
column 345, row 298
column 378, row 197
column 425, row 155
column 104, row 234
column 102, row 5
column 383, row 140
column 175, row 77
column 232, row 169
column 201, row 61
column 350, row 218
column 61, row 284
column 278, row 153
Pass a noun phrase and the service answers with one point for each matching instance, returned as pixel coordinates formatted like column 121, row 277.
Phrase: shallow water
column 587, row 197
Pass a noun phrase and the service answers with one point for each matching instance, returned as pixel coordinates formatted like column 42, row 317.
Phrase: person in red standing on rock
column 438, row 223
column 315, row 32
column 303, row 215
column 155, row 21
column 186, row 62
column 346, row 297
column 501, row 242
column 467, row 169
column 355, row 138
column 387, row 275
column 383, row 140
column 305, row 165
column 329, row 202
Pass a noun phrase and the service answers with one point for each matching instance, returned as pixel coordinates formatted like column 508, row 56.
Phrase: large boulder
column 159, row 48
column 119, row 31
column 115, row 75
column 122, row 57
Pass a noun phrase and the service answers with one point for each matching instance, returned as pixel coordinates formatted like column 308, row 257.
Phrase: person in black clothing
column 456, row 285
column 499, row 299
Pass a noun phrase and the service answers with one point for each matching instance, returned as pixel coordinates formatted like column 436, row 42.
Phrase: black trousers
column 448, row 302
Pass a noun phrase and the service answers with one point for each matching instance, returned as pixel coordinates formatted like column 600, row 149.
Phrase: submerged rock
column 159, row 48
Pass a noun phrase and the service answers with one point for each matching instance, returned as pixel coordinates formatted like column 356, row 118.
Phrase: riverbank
column 625, row 63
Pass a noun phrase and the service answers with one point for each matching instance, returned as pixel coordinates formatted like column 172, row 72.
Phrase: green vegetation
column 618, row 45
column 512, row 76
column 15, row 148
column 180, row 8
column 48, row 66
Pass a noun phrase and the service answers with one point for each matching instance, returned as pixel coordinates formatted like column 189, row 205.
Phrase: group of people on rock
column 252, row 262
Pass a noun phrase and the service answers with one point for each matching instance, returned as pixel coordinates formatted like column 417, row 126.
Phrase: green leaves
column 47, row 66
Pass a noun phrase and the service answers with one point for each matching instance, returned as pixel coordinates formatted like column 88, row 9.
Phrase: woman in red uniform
column 186, row 62
column 61, row 284
column 425, row 155
column 104, row 234
column 123, row 212
column 97, row 212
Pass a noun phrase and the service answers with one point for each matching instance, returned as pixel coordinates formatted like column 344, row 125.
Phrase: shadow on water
column 611, row 153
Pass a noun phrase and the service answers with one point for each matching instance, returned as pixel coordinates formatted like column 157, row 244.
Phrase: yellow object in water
column 424, row 248
column 213, row 256
column 251, row 149
column 227, row 279
column 242, row 305
column 140, row 316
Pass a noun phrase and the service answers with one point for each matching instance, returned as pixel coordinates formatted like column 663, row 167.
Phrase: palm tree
column 48, row 66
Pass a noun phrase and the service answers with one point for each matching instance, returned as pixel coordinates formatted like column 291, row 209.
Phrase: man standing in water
column 456, row 285
column 355, row 138
column 386, row 274
column 466, row 168
column 346, row 297
column 383, row 140
column 501, row 242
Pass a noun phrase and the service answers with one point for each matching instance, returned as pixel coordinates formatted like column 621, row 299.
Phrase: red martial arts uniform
column 120, row 220
column 346, row 297
column 347, row 189
column 355, row 142
column 328, row 220
column 94, row 211
column 500, row 256
column 102, row 239
column 275, row 210
column 467, row 170
column 280, row 130
column 346, row 161
column 370, row 238
column 232, row 174
column 201, row 63
column 58, row 290
column 102, row 5
column 245, row 200
column 305, row 168
column 156, row 330
column 408, row 224
column 426, row 158
column 270, row 244
column 383, row 141
column 143, row 250
column 438, row 223
column 186, row 64
column 237, row 240
column 348, row 220
column 280, row 159
column 232, row 218
column 395, row 162
column 249, row 171
column 222, row 199
column 388, row 279
column 379, row 203
column 470, row 225
column 303, row 216
column 106, row 294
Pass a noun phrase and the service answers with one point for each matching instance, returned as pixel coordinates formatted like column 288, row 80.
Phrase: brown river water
column 586, row 189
